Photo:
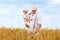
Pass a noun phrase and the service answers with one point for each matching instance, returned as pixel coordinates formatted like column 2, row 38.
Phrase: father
column 36, row 22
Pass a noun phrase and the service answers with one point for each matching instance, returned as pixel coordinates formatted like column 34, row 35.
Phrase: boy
column 26, row 18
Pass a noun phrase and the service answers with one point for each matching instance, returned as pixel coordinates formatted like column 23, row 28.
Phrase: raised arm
column 39, row 22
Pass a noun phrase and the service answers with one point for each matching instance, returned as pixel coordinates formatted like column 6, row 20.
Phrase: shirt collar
column 35, row 14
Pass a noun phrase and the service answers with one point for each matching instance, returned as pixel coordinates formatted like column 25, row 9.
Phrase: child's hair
column 25, row 10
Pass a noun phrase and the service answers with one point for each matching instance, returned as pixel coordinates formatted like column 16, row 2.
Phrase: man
column 35, row 23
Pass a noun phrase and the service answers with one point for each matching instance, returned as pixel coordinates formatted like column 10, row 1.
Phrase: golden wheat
column 22, row 34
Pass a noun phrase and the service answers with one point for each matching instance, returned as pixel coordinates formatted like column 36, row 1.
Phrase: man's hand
column 39, row 26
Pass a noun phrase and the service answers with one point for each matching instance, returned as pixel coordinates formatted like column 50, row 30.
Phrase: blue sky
column 11, row 12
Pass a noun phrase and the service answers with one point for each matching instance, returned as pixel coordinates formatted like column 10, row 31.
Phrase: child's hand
column 30, row 19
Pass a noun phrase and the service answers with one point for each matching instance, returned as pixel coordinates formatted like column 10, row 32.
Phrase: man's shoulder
column 39, row 15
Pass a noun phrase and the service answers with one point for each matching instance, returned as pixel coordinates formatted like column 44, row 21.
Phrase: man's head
column 34, row 9
column 25, row 11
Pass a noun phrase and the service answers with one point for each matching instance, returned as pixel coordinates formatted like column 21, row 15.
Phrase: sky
column 11, row 15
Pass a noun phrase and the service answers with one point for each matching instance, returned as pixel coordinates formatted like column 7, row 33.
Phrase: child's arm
column 29, row 19
column 26, row 19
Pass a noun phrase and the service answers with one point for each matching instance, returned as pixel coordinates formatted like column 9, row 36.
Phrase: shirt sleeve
column 39, row 19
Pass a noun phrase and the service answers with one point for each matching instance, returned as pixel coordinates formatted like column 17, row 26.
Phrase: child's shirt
column 25, row 17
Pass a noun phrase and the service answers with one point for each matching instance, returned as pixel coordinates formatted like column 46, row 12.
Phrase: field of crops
column 22, row 34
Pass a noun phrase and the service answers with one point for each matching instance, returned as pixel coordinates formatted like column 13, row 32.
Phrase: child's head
column 25, row 11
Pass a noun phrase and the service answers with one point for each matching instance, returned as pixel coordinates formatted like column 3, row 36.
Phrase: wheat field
column 22, row 34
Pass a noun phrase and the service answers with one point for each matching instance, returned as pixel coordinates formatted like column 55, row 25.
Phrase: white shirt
column 38, row 21
column 26, row 16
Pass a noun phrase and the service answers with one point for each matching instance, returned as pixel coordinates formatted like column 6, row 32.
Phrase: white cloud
column 49, row 18
column 7, row 9
column 52, row 8
column 12, row 16
column 55, row 1
column 13, row 6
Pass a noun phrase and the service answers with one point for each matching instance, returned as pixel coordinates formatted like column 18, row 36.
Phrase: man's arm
column 38, row 29
column 39, row 22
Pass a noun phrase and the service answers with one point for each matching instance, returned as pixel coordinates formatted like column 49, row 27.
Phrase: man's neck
column 33, row 14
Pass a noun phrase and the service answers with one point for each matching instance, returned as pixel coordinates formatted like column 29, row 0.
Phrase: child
column 26, row 18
